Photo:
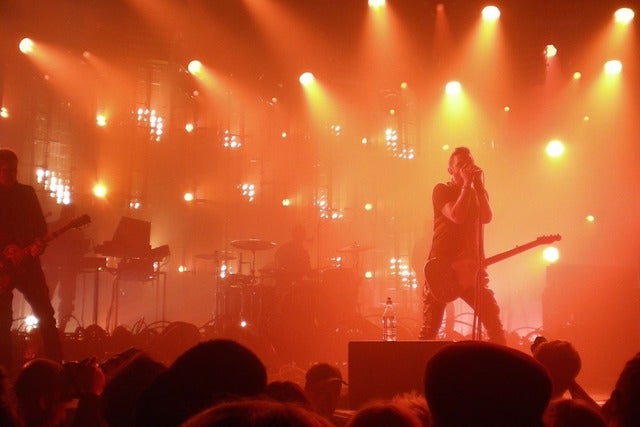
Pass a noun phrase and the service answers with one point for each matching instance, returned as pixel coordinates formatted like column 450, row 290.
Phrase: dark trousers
column 487, row 310
column 31, row 282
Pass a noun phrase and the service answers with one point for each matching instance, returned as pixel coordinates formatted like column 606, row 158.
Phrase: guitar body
column 441, row 280
column 447, row 279
column 13, row 256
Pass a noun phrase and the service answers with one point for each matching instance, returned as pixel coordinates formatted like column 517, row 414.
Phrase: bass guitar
column 443, row 282
column 12, row 255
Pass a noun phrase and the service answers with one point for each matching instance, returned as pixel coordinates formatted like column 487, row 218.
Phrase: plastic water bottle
column 389, row 325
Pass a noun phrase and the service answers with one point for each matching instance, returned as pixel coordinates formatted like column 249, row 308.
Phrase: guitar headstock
column 548, row 238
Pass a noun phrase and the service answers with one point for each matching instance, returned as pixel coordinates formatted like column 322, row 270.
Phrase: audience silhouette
column 8, row 410
column 123, row 390
column 572, row 413
column 480, row 384
column 563, row 363
column 323, row 385
column 223, row 383
column 417, row 404
column 384, row 414
column 623, row 407
column 42, row 392
column 257, row 413
column 288, row 392
column 210, row 372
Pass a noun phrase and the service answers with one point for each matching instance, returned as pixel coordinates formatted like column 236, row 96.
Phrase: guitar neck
column 54, row 234
column 511, row 252
column 75, row 223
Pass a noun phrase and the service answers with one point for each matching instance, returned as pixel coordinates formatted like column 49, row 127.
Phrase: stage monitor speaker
column 381, row 370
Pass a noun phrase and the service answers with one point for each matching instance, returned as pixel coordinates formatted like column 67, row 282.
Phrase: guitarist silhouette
column 461, row 207
column 22, row 224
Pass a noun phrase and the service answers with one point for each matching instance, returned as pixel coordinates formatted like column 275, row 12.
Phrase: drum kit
column 238, row 296
column 248, row 300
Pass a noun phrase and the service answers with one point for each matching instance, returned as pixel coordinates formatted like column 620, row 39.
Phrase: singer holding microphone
column 454, row 268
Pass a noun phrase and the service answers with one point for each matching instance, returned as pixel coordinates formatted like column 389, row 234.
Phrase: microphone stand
column 476, row 332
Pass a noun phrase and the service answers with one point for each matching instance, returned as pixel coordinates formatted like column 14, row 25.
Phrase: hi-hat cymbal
column 253, row 244
column 355, row 247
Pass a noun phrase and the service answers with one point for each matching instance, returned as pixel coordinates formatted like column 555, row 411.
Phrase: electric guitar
column 441, row 277
column 12, row 255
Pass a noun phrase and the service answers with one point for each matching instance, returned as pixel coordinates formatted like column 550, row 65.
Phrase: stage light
column 101, row 120
column 286, row 202
column 555, row 148
column 453, row 88
column 490, row 13
column 189, row 127
column 149, row 118
column 41, row 175
column 231, row 140
column 306, row 78
column 364, row 141
column 577, row 75
column 391, row 138
column 623, row 15
column 248, row 191
column 31, row 320
column 100, row 190
column 613, row 67
column 368, row 274
column 376, row 4
column 188, row 197
column 550, row 51
column 194, row 67
column 506, row 108
column 368, row 207
column 182, row 269
column 551, row 254
column 591, row 218
column 31, row 323
column 283, row 135
column 26, row 45
column 404, row 85
column 4, row 113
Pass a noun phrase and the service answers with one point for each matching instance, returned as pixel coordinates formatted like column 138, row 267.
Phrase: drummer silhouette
column 292, row 259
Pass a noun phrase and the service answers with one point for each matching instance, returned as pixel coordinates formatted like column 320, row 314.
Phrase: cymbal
column 253, row 244
column 355, row 247
column 218, row 256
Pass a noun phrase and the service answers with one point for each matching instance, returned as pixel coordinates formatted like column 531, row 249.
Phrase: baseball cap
column 322, row 373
